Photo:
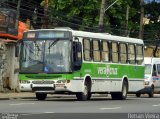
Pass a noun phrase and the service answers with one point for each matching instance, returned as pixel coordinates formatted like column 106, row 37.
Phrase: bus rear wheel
column 121, row 95
column 41, row 96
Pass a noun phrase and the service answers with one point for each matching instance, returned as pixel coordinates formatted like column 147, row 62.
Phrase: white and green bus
column 67, row 61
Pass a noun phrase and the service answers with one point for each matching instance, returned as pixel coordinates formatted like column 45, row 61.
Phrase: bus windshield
column 148, row 68
column 45, row 56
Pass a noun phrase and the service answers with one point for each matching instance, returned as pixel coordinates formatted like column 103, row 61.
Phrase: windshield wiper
column 53, row 43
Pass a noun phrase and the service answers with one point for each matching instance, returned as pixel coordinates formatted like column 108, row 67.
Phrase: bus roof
column 107, row 37
column 94, row 35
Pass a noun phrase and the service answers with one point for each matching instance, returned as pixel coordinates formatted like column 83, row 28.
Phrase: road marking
column 37, row 113
column 49, row 112
column 22, row 104
column 26, row 114
column 110, row 108
column 156, row 105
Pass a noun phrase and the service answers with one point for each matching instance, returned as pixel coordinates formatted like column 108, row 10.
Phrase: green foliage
column 152, row 30
column 84, row 14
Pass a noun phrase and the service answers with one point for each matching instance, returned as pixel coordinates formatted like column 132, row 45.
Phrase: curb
column 13, row 98
column 4, row 98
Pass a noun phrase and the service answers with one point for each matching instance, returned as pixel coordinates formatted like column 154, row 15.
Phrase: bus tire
column 41, row 96
column 121, row 95
column 85, row 95
column 151, row 94
column 138, row 95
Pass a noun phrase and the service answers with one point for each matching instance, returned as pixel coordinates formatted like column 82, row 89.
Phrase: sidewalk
column 31, row 95
column 14, row 95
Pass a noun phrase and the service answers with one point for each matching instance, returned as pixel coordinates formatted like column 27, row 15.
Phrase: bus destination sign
column 51, row 34
column 45, row 34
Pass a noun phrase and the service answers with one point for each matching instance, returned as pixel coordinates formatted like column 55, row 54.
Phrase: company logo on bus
column 108, row 70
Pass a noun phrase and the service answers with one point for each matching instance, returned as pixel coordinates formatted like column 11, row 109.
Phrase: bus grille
column 43, row 82
column 42, row 89
column 43, row 77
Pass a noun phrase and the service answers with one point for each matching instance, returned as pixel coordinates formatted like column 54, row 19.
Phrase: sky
column 146, row 1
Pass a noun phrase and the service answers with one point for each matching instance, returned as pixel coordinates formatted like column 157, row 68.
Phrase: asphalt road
column 67, row 107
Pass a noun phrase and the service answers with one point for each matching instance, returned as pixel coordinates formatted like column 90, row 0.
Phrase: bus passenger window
column 114, row 52
column 87, row 49
column 96, row 50
column 105, row 51
column 123, row 53
column 131, row 54
column 139, row 54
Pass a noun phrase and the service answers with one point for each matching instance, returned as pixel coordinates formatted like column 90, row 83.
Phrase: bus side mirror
column 77, row 55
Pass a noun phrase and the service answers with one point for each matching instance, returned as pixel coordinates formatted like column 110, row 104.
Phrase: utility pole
column 127, row 15
column 17, row 15
column 101, row 18
column 102, row 11
column 46, row 14
column 141, row 28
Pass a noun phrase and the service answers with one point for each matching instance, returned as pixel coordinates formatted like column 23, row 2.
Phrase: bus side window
column 87, row 49
column 139, row 54
column 114, row 52
column 96, row 50
column 123, row 53
column 105, row 51
column 154, row 72
column 131, row 54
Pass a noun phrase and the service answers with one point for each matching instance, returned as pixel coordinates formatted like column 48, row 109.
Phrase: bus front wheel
column 85, row 95
column 41, row 96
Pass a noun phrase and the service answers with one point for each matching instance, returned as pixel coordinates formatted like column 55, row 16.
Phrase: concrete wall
column 2, row 65
column 8, row 64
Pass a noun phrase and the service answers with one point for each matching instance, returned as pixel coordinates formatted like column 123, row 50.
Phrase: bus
column 66, row 61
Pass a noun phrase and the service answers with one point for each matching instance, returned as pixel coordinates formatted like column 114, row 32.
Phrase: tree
column 84, row 15
column 152, row 30
column 74, row 13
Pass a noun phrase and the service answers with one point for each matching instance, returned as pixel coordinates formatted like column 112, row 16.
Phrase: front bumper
column 50, row 88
